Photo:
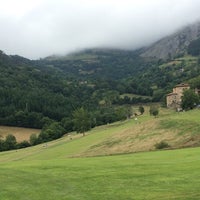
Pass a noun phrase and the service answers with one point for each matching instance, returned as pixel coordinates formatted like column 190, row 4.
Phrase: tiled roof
column 183, row 85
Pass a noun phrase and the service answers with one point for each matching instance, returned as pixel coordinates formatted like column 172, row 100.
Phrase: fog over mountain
column 173, row 45
column 39, row 28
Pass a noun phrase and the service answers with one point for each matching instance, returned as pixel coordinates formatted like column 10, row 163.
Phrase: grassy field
column 156, row 175
column 21, row 134
column 62, row 169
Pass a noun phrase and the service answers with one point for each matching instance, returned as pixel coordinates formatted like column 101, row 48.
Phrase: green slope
column 52, row 171
column 177, row 129
column 65, row 147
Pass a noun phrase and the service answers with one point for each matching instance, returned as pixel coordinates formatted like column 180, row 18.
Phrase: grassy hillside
column 60, row 170
column 177, row 129
column 21, row 134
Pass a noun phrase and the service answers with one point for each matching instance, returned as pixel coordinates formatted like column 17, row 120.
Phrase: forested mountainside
column 127, row 71
column 112, row 64
column 34, row 94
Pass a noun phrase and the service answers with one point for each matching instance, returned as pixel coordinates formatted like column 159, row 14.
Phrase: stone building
column 174, row 99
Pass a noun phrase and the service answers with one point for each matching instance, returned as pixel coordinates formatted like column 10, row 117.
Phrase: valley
column 99, row 125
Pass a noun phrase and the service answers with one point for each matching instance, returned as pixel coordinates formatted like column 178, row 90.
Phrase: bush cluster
column 162, row 145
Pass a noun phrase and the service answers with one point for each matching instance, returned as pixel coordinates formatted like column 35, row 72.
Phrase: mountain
column 37, row 93
column 174, row 45
column 112, row 64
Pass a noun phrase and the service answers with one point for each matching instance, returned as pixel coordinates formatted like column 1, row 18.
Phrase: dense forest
column 33, row 92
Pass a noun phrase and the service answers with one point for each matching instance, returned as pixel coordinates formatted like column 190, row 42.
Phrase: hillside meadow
column 105, row 164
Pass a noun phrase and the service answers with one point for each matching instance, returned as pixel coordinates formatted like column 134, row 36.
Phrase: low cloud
column 46, row 27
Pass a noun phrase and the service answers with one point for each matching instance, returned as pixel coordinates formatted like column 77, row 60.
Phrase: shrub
column 141, row 109
column 10, row 142
column 33, row 139
column 23, row 144
column 162, row 145
column 154, row 111
column 52, row 132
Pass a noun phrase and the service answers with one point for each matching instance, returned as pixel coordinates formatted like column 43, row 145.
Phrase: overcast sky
column 39, row 28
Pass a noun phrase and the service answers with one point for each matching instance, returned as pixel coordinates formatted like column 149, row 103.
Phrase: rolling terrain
column 62, row 169
column 179, row 130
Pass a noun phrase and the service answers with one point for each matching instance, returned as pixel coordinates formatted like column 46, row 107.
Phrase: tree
column 2, row 145
column 33, row 139
column 141, row 109
column 51, row 132
column 195, row 82
column 10, row 142
column 82, row 121
column 129, row 111
column 67, row 123
column 154, row 110
column 110, row 96
column 23, row 144
column 199, row 60
column 189, row 99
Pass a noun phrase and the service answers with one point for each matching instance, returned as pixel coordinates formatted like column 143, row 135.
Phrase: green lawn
column 156, row 175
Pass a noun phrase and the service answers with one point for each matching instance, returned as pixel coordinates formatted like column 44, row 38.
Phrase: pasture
column 103, row 165
column 158, row 175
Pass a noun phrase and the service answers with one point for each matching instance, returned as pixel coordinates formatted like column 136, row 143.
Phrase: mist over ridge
column 36, row 29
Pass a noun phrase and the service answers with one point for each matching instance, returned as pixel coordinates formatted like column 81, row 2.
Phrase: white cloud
column 42, row 27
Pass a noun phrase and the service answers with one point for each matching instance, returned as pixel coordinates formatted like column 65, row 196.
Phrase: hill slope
column 178, row 130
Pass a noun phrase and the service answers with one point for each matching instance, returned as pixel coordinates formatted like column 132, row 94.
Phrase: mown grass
column 156, row 175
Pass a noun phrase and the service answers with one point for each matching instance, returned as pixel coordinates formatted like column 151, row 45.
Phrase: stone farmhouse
column 174, row 99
